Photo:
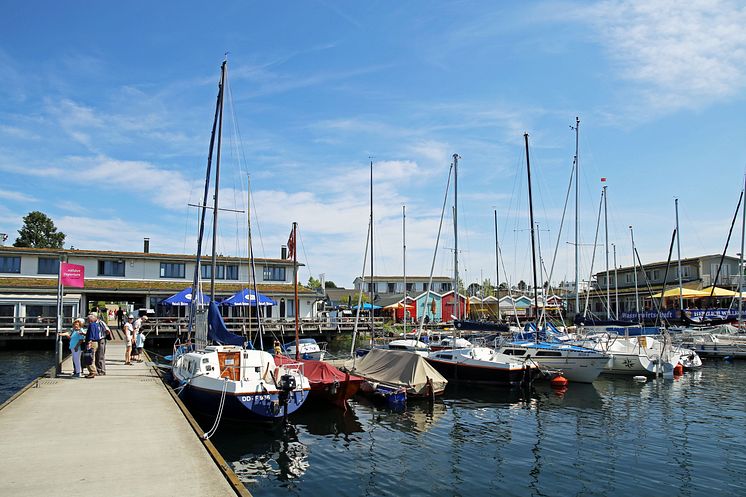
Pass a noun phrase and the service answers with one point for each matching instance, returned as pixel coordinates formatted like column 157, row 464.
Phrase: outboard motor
column 287, row 385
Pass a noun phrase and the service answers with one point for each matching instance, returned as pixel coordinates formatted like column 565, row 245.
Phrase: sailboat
column 220, row 370
column 475, row 363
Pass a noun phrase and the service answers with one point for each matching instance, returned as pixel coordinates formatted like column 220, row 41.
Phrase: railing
column 723, row 280
column 32, row 326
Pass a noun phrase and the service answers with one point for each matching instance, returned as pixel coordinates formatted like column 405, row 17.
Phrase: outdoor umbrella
column 247, row 297
column 184, row 298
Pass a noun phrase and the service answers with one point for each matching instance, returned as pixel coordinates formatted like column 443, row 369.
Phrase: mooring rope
column 215, row 425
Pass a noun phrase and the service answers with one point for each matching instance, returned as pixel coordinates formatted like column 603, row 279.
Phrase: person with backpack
column 92, row 340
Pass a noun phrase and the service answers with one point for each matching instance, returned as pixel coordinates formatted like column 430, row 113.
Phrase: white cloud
column 16, row 196
column 679, row 54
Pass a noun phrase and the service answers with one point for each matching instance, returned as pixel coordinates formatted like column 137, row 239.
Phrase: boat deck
column 119, row 434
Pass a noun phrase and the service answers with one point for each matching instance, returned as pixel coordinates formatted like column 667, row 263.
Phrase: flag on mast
column 291, row 245
column 603, row 180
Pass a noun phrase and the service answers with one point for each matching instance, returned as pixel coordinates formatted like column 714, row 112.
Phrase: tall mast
column 217, row 185
column 295, row 286
column 533, row 236
column 740, row 262
column 634, row 264
column 372, row 283
column 195, row 290
column 608, row 287
column 678, row 258
column 497, row 268
column 404, row 262
column 616, row 286
column 455, row 236
column 577, row 208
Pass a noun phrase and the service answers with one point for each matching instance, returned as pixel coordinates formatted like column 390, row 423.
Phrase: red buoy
column 558, row 382
column 678, row 370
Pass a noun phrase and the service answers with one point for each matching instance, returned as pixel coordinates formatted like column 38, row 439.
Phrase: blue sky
column 105, row 113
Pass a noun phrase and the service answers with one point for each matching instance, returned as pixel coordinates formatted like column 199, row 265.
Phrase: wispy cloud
column 16, row 196
column 680, row 55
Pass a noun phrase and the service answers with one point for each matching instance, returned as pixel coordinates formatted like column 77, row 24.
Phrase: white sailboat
column 226, row 375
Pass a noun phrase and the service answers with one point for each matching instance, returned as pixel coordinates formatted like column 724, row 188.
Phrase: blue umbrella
column 367, row 306
column 247, row 297
column 184, row 297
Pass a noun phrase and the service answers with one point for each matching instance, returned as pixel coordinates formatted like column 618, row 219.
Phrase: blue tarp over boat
column 248, row 297
column 185, row 297
column 217, row 331
column 367, row 306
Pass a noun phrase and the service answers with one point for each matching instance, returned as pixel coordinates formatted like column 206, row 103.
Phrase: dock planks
column 119, row 434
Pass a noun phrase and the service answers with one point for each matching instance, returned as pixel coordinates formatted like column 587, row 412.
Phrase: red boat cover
column 318, row 372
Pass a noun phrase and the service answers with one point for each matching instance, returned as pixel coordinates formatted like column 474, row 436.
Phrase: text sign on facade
column 72, row 275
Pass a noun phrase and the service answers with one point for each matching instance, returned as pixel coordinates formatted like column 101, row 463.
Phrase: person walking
column 129, row 334
column 120, row 318
column 92, row 340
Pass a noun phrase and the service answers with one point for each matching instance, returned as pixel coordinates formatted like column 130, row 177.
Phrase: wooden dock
column 120, row 434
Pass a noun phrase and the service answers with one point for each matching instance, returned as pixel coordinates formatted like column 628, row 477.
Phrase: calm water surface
column 613, row 438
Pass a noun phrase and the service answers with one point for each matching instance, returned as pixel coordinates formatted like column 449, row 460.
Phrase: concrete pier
column 119, row 434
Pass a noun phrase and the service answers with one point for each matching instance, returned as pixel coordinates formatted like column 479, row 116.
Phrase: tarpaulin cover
column 397, row 368
column 217, row 331
column 318, row 372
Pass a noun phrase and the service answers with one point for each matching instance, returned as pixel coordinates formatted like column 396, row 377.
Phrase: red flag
column 291, row 245
column 603, row 180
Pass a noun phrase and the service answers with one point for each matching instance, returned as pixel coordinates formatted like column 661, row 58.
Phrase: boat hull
column 263, row 406
column 464, row 372
column 336, row 394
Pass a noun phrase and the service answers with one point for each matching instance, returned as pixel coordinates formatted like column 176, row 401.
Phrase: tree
column 39, row 231
column 522, row 285
column 313, row 283
column 329, row 284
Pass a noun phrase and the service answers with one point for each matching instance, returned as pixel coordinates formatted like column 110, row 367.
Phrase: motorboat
column 308, row 348
column 483, row 365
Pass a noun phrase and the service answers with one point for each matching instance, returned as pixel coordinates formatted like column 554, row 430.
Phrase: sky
column 106, row 111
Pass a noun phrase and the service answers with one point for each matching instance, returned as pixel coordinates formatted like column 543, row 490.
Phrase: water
column 613, row 438
column 19, row 367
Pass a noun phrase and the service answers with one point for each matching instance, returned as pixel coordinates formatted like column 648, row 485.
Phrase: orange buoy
column 558, row 382
column 678, row 370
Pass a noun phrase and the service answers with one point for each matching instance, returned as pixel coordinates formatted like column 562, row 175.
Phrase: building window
column 369, row 287
column 410, row 287
column 111, row 268
column 391, row 287
column 274, row 273
column 231, row 272
column 628, row 278
column 48, row 265
column 172, row 270
column 445, row 287
column 10, row 264
column 219, row 272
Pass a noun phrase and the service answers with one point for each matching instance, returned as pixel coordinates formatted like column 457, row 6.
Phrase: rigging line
column 593, row 257
column 559, row 234
column 435, row 253
column 305, row 255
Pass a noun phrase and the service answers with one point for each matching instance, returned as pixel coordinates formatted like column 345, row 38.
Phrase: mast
column 195, row 290
column 252, row 262
column 533, row 242
column 634, row 264
column 577, row 208
column 497, row 268
column 678, row 258
column 616, row 286
column 404, row 262
column 740, row 263
column 455, row 237
column 372, row 283
column 217, row 188
column 608, row 288
column 295, row 279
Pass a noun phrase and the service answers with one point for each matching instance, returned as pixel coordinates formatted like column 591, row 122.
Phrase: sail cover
column 318, row 371
column 397, row 368
column 217, row 331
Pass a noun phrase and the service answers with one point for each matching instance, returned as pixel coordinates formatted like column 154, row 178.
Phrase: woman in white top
column 129, row 336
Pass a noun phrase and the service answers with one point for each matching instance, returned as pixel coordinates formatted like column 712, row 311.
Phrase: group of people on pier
column 88, row 344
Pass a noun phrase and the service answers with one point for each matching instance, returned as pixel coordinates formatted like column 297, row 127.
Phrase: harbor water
column 615, row 437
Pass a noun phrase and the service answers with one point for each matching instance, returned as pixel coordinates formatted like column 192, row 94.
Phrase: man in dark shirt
column 92, row 340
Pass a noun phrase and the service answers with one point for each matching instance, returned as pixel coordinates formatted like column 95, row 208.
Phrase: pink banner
column 72, row 275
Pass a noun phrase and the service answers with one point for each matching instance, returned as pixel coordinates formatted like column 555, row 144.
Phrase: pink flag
column 72, row 275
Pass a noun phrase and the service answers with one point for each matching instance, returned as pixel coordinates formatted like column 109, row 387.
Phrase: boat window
column 205, row 360
column 445, row 356
column 514, row 352
column 548, row 353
